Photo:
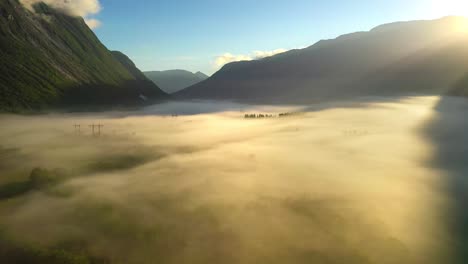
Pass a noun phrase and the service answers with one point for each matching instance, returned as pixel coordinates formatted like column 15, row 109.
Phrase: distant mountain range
column 52, row 59
column 175, row 80
column 418, row 57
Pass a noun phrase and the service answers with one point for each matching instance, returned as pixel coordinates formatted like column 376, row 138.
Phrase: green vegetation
column 251, row 116
column 39, row 179
column 13, row 252
column 22, row 175
column 119, row 162
column 48, row 58
column 43, row 179
column 215, row 188
column 261, row 116
column 461, row 87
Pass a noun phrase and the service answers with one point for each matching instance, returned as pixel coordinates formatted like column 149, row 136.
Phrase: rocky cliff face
column 48, row 58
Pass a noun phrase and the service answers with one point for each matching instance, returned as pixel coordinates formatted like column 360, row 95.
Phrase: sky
column 202, row 35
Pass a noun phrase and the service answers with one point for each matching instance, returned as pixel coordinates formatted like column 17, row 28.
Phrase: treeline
column 258, row 116
column 39, row 179
column 13, row 252
column 255, row 116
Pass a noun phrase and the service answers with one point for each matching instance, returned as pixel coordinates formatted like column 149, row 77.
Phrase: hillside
column 175, row 80
column 418, row 57
column 52, row 59
column 460, row 88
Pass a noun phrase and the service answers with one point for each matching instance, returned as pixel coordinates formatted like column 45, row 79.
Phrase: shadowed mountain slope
column 418, row 57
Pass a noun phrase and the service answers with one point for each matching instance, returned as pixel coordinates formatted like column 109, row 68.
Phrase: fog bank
column 354, row 184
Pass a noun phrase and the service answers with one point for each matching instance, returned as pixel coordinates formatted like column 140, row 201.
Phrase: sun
column 449, row 7
column 461, row 25
column 457, row 10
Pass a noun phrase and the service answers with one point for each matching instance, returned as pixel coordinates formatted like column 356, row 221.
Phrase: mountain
column 175, row 80
column 201, row 75
column 460, row 88
column 417, row 57
column 49, row 59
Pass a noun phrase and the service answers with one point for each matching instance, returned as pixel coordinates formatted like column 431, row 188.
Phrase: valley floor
column 376, row 181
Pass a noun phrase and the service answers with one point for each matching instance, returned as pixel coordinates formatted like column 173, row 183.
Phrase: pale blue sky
column 188, row 34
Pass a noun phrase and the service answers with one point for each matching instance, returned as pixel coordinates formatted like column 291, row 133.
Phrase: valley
column 340, row 181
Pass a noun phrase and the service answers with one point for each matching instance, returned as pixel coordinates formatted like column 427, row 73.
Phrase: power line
column 77, row 129
column 97, row 127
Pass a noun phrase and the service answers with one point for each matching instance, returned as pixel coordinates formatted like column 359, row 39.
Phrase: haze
column 233, row 132
column 335, row 183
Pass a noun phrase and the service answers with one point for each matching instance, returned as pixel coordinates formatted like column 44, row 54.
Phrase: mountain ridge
column 172, row 81
column 389, row 59
column 52, row 59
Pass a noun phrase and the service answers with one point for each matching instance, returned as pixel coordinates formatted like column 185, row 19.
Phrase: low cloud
column 263, row 54
column 93, row 23
column 318, row 187
column 83, row 8
column 226, row 58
